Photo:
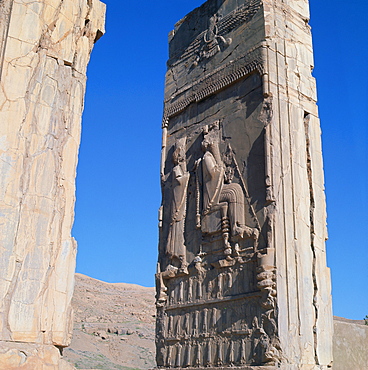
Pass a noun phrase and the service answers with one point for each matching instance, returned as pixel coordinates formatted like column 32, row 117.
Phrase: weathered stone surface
column 242, row 277
column 350, row 345
column 45, row 48
column 29, row 356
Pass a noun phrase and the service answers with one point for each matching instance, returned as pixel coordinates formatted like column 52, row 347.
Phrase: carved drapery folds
column 220, row 202
column 179, row 186
column 221, row 198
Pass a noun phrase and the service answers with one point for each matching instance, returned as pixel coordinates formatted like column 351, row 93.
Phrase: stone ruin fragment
column 45, row 46
column 242, row 280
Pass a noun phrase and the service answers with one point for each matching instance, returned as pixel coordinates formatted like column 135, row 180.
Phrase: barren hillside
column 114, row 326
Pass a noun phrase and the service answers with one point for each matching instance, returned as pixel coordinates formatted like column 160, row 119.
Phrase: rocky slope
column 114, row 326
column 114, row 329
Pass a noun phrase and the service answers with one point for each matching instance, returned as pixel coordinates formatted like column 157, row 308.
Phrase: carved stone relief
column 180, row 176
column 220, row 251
column 219, row 294
column 223, row 201
column 212, row 41
column 214, row 38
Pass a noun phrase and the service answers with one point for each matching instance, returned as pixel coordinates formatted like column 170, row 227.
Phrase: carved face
column 178, row 155
column 209, row 140
column 205, row 144
column 229, row 175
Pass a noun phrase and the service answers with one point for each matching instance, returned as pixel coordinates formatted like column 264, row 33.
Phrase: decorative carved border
column 206, row 303
column 239, row 16
column 214, row 82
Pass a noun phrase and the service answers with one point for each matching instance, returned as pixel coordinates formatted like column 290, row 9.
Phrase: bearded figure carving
column 221, row 194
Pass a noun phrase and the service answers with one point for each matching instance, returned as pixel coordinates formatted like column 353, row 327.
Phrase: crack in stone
column 307, row 118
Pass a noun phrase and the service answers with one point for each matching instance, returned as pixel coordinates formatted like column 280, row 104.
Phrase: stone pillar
column 45, row 49
column 242, row 278
column 297, row 182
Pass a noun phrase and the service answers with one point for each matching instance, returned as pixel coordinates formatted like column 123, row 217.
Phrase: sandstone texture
column 114, row 329
column 29, row 356
column 45, row 46
column 242, row 278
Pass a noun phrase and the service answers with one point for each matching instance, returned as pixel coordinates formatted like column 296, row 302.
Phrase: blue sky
column 118, row 186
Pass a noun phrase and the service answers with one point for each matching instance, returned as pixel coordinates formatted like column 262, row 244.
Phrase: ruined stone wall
column 45, row 47
column 242, row 277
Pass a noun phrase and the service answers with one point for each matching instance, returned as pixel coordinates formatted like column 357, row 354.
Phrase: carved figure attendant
column 199, row 289
column 214, row 319
column 181, row 292
column 229, row 281
column 204, row 323
column 186, row 324
column 209, row 354
column 180, row 177
column 219, row 354
column 178, row 355
column 188, row 357
column 198, row 361
column 172, row 296
column 169, row 357
column 231, row 353
column 243, row 352
column 219, row 285
column 170, row 327
column 178, row 327
column 190, row 290
column 195, row 323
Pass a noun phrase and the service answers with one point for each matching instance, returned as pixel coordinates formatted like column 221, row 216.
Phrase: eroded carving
column 178, row 355
column 198, row 361
column 266, row 343
column 169, row 359
column 212, row 41
column 221, row 276
column 214, row 81
column 209, row 354
column 221, row 196
column 179, row 179
column 218, row 27
column 219, row 361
